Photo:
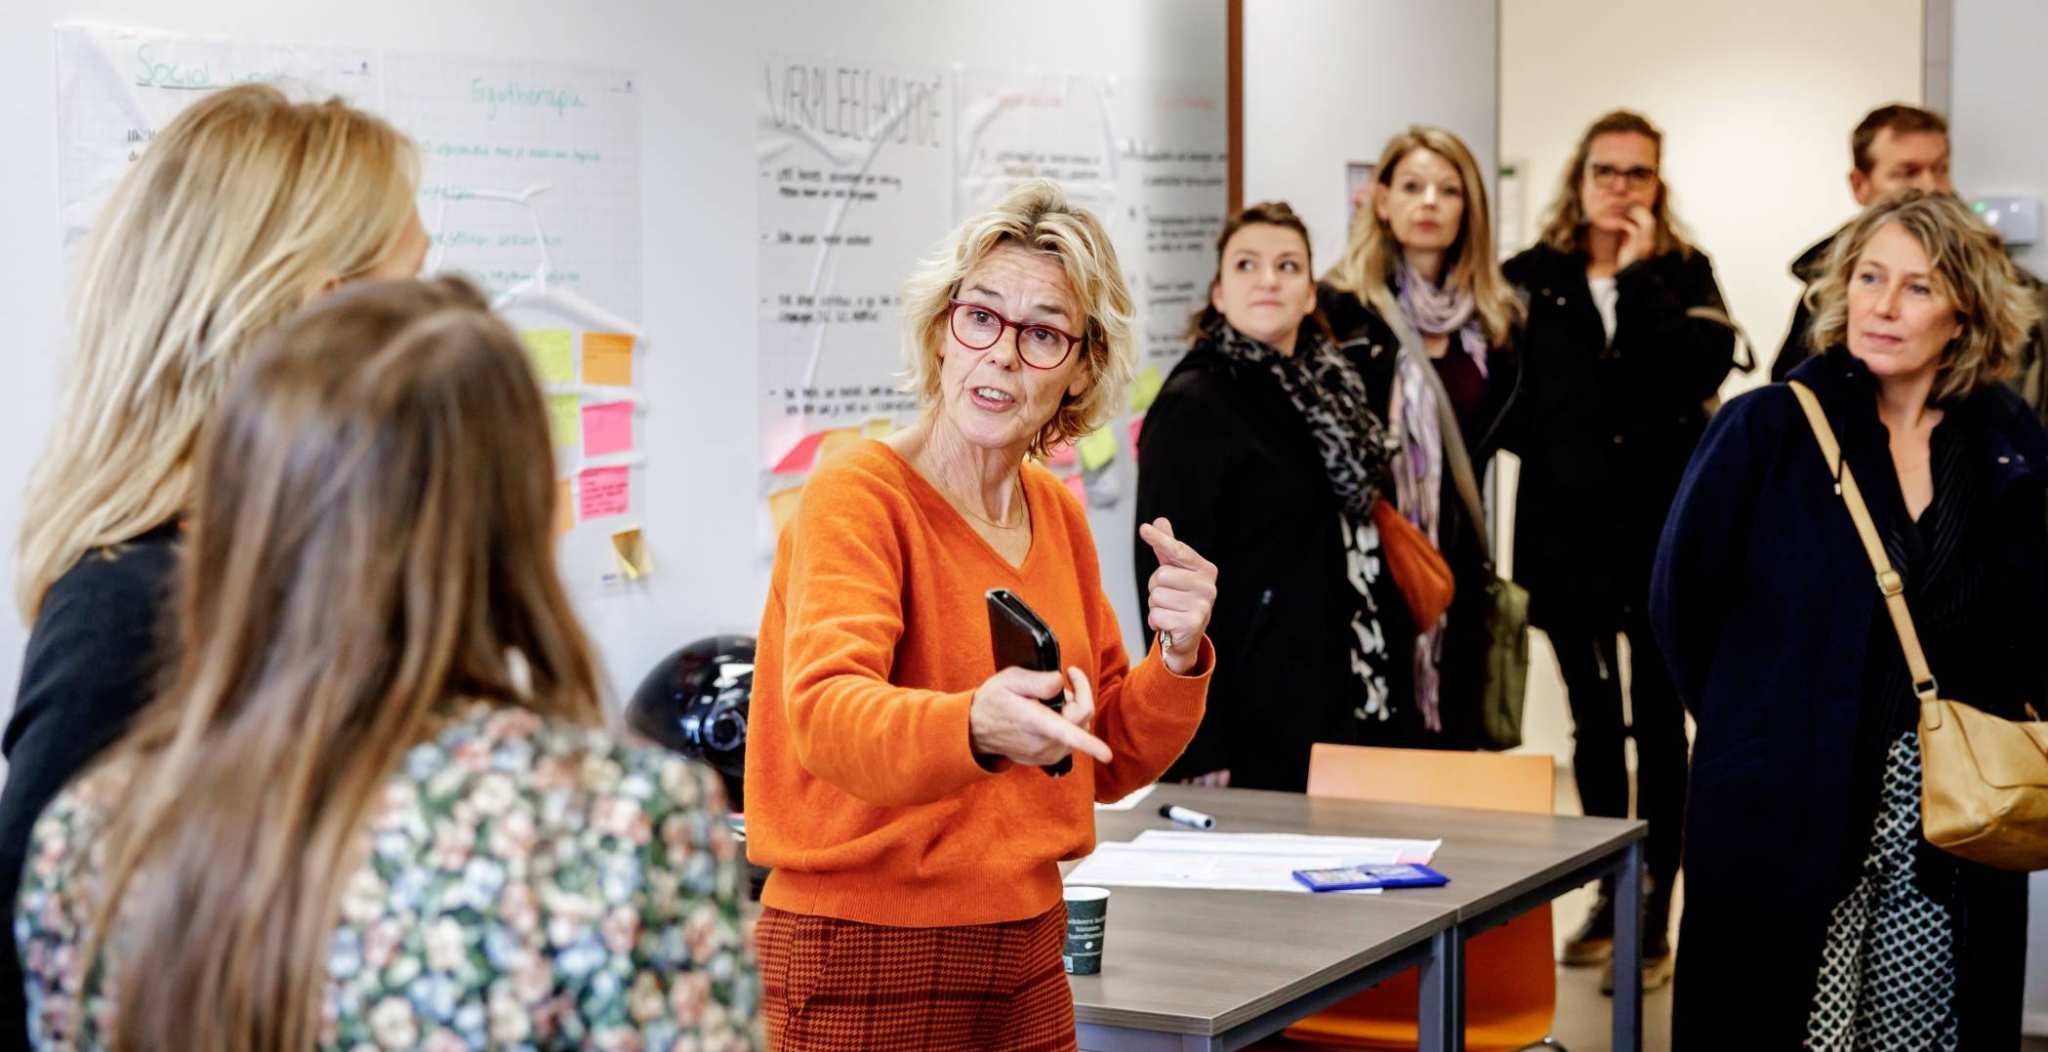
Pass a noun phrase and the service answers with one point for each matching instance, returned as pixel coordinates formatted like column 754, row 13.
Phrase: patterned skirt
column 830, row 985
column 1888, row 969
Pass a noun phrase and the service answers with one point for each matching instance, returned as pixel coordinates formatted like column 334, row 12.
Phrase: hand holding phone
column 1020, row 639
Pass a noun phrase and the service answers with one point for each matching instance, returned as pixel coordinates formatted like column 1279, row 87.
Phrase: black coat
column 1604, row 429
column 1372, row 345
column 91, row 664
column 1805, row 270
column 1764, row 603
column 1227, row 458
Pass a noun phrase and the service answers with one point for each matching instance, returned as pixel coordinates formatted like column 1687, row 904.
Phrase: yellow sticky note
column 608, row 359
column 837, row 441
column 1098, row 447
column 554, row 354
column 878, row 427
column 565, row 508
column 630, row 549
column 782, row 506
column 565, row 419
column 1145, row 387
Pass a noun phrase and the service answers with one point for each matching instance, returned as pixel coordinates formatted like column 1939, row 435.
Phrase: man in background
column 1899, row 147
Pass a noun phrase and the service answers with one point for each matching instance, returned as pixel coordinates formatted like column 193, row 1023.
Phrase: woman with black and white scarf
column 1264, row 451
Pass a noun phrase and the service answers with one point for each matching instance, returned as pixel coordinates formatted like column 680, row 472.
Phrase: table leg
column 1628, row 951
column 1440, row 1008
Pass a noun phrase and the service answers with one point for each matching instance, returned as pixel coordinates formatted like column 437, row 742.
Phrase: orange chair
column 1510, row 976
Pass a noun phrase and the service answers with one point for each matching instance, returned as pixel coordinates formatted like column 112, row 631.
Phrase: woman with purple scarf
column 1416, row 292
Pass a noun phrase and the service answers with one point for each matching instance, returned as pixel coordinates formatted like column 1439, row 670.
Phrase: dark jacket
column 2031, row 379
column 1604, row 429
column 1372, row 345
column 1228, row 459
column 91, row 666
column 1764, row 603
column 1805, row 270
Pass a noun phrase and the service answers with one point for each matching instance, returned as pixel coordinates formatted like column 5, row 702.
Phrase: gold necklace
column 991, row 524
column 960, row 506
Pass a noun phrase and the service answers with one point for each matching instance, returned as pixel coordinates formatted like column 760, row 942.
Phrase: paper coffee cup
column 1087, row 916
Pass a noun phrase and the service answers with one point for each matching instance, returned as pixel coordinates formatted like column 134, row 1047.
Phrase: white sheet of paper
column 1132, row 865
column 1130, row 801
column 1350, row 850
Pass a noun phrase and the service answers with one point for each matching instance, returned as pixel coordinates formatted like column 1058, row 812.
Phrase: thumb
column 1159, row 534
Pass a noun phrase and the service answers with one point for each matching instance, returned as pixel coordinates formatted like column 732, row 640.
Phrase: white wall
column 699, row 65
column 1330, row 81
column 1756, row 99
column 1996, row 82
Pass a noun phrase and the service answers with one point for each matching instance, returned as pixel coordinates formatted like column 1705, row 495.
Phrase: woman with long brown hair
column 1418, row 289
column 375, row 802
column 241, row 209
column 1626, row 341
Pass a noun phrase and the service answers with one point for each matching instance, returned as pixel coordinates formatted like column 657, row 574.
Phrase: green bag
column 1507, row 603
column 1507, row 663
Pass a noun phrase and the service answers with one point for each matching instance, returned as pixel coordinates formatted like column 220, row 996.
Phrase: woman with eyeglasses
column 1627, row 340
column 897, row 779
column 1418, row 292
column 1265, row 452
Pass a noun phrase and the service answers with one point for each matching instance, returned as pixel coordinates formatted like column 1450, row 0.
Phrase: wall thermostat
column 2017, row 219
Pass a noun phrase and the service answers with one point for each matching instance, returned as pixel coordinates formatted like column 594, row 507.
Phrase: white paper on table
column 1133, row 865
column 1130, row 801
column 1351, row 850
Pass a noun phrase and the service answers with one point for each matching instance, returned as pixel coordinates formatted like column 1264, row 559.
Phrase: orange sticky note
column 608, row 359
column 603, row 492
column 607, row 428
column 565, row 508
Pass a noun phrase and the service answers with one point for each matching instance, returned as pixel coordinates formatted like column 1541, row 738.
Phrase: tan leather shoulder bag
column 1983, row 778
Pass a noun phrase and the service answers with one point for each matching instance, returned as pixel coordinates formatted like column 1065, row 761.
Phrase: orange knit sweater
column 862, row 792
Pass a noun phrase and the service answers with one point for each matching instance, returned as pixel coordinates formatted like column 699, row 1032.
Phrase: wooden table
column 1221, row 969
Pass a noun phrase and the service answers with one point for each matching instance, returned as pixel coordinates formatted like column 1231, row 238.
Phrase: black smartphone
column 1022, row 640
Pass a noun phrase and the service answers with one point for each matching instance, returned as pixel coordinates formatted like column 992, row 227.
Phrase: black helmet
column 694, row 701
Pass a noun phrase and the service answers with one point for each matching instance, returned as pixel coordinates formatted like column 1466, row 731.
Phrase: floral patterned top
column 528, row 885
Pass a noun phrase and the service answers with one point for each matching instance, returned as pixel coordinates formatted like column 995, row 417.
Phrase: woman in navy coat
column 1815, row 911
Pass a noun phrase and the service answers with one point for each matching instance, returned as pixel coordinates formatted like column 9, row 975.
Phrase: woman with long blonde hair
column 1418, row 288
column 376, row 802
column 241, row 209
column 1627, row 339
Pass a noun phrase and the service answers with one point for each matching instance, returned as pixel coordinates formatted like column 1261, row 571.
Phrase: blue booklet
column 1348, row 878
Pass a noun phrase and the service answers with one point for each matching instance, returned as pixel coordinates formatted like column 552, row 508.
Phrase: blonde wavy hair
column 1564, row 222
column 1036, row 216
column 373, row 539
column 1969, row 266
column 238, row 208
column 1367, row 264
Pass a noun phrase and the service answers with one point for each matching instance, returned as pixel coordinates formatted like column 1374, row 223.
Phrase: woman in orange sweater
column 893, row 782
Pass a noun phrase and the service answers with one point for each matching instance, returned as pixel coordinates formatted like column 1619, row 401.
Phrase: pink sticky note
column 1137, row 426
column 607, row 428
column 1061, row 456
column 603, row 492
column 1078, row 487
